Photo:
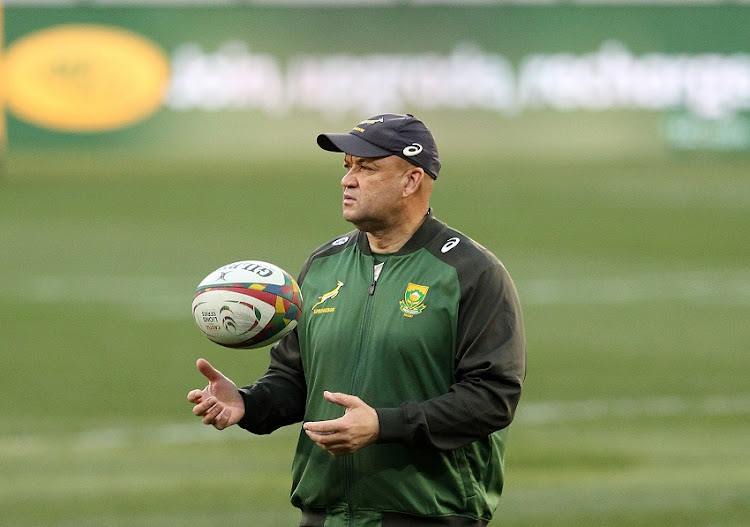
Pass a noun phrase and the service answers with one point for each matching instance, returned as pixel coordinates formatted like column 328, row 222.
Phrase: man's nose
column 348, row 180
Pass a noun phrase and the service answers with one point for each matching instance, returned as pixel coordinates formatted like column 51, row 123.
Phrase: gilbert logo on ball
column 247, row 304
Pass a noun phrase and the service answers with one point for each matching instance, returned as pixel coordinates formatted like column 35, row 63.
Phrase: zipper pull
column 372, row 287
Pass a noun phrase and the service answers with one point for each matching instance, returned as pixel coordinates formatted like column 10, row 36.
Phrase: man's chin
column 355, row 219
column 349, row 215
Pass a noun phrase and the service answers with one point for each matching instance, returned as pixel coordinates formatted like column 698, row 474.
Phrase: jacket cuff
column 392, row 424
column 252, row 410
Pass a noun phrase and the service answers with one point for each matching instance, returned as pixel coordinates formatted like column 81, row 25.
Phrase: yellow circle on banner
column 85, row 78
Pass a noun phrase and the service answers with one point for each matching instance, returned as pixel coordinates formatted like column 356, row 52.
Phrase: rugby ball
column 247, row 304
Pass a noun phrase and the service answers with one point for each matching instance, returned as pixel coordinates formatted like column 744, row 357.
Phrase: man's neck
column 391, row 240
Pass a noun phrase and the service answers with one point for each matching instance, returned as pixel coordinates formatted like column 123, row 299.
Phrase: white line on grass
column 153, row 297
column 166, row 298
column 542, row 413
column 676, row 193
column 530, row 414
column 701, row 287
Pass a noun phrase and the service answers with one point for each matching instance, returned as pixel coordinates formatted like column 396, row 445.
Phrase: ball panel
column 273, row 334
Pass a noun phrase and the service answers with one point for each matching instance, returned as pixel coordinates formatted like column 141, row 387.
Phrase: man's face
column 373, row 190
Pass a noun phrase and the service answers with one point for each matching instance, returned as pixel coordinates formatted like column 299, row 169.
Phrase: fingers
column 222, row 419
column 209, row 416
column 323, row 427
column 211, row 373
column 327, row 434
column 342, row 399
column 334, row 442
column 204, row 406
column 195, row 396
column 212, row 412
column 356, row 429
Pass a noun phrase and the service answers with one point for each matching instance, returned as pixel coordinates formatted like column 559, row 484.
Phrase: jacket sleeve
column 490, row 369
column 278, row 397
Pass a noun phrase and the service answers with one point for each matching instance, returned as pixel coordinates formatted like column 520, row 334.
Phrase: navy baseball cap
column 388, row 134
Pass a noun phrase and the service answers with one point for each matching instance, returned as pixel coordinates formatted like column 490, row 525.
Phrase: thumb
column 211, row 373
column 342, row 399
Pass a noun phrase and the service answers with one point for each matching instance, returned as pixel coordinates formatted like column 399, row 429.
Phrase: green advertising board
column 238, row 80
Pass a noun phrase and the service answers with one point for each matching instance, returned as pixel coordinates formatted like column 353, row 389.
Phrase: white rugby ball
column 247, row 304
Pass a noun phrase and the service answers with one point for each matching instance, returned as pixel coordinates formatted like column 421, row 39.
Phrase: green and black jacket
column 435, row 344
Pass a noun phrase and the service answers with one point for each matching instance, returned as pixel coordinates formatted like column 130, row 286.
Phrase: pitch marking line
column 169, row 297
column 531, row 414
column 542, row 413
column 705, row 287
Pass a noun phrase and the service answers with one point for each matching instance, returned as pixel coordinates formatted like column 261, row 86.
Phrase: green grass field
column 634, row 278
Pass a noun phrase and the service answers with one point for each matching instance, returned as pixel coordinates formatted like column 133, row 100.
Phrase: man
column 406, row 367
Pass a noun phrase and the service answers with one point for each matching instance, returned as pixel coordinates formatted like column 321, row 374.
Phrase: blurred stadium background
column 599, row 148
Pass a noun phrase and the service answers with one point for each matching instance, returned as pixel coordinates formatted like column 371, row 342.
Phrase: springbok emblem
column 330, row 294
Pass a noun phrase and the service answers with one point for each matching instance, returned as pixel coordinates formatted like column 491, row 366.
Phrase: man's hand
column 220, row 403
column 357, row 428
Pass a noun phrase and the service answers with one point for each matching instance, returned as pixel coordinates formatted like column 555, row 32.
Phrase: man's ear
column 415, row 177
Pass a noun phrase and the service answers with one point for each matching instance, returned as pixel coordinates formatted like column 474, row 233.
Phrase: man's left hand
column 357, row 428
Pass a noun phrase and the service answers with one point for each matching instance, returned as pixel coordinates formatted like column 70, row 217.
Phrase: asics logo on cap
column 412, row 150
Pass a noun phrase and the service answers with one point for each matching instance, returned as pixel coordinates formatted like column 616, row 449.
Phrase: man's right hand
column 220, row 403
